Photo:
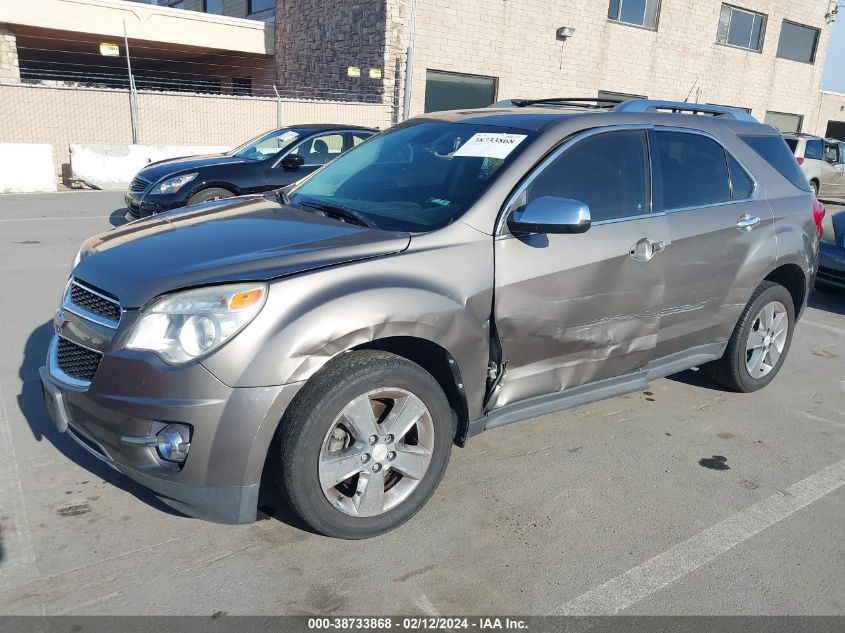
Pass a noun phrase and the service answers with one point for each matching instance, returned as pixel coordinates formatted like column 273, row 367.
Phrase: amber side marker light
column 244, row 300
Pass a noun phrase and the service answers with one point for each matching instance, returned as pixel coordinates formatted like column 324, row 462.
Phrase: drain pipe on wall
column 409, row 64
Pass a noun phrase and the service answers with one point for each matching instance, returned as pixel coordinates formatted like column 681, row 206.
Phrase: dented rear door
column 574, row 309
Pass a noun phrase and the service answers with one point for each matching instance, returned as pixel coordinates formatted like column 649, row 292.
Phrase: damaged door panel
column 574, row 309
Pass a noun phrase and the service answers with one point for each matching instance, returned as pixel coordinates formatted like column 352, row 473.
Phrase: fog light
column 174, row 442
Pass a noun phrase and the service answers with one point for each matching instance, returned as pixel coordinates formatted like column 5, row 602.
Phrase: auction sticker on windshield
column 490, row 145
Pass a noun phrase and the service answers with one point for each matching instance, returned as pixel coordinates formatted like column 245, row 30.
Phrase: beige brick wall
column 830, row 106
column 9, row 70
column 514, row 41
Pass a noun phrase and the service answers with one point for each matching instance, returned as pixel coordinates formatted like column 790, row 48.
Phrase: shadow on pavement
column 271, row 503
column 119, row 217
column 31, row 405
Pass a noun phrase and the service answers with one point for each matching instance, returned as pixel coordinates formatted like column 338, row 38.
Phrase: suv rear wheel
column 760, row 341
column 365, row 444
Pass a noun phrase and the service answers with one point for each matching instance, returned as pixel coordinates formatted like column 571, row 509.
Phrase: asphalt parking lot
column 683, row 499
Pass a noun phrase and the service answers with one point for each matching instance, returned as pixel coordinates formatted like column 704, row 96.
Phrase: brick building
column 766, row 56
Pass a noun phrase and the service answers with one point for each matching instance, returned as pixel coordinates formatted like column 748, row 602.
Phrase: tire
column 732, row 370
column 329, row 415
column 207, row 195
column 815, row 187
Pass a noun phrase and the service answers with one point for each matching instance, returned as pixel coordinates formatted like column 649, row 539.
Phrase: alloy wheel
column 766, row 339
column 376, row 452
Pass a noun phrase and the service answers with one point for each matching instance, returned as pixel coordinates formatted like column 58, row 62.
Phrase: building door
column 455, row 91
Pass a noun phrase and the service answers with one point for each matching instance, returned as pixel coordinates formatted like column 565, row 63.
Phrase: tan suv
column 823, row 162
column 456, row 273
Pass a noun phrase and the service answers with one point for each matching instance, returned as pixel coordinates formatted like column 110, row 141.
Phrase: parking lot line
column 56, row 219
column 823, row 326
column 17, row 542
column 646, row 579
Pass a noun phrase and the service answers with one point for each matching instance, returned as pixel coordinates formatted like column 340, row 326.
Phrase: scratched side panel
column 572, row 309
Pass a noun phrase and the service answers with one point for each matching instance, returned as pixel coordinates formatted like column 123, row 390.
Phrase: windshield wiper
column 343, row 212
column 282, row 196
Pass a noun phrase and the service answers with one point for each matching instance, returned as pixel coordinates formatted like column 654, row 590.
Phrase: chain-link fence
column 66, row 92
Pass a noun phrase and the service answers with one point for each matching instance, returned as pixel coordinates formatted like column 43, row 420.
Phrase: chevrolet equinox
column 461, row 271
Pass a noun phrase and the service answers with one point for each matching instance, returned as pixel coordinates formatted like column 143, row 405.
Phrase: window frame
column 657, row 10
column 818, row 31
column 655, row 189
column 763, row 28
column 792, row 114
column 560, row 149
column 250, row 11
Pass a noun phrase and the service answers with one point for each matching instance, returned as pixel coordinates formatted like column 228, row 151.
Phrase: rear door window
column 814, row 149
column 608, row 171
column 693, row 170
column 776, row 152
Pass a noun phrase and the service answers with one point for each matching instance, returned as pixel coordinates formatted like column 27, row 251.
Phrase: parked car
column 823, row 162
column 267, row 162
column 832, row 254
column 462, row 271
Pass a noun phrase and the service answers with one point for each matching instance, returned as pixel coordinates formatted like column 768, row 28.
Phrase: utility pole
column 409, row 64
column 133, row 92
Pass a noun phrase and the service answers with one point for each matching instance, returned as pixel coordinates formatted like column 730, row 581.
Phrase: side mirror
column 549, row 214
column 292, row 162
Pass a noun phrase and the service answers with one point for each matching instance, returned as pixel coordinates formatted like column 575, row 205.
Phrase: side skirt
column 599, row 390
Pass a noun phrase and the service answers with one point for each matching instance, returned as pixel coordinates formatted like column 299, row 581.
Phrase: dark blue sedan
column 267, row 162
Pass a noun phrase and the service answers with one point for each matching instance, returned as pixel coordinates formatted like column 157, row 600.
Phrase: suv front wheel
column 760, row 341
column 365, row 444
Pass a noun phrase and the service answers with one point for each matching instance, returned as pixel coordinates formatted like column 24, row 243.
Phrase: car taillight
column 818, row 216
column 800, row 160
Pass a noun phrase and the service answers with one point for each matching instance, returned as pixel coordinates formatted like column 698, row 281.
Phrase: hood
column 162, row 168
column 239, row 239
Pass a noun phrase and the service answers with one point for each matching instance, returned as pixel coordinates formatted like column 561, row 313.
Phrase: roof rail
column 574, row 102
column 652, row 105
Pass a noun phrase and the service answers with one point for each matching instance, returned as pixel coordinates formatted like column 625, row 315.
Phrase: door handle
column 746, row 222
column 645, row 249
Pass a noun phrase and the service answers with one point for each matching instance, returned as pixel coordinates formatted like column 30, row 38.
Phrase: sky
column 834, row 69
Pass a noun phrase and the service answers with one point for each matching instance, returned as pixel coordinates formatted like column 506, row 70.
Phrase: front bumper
column 831, row 268
column 132, row 396
column 143, row 205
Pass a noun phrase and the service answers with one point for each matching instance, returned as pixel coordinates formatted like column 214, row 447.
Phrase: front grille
column 139, row 184
column 94, row 303
column 77, row 361
column 830, row 274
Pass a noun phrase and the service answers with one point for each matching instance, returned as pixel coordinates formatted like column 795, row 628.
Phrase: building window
column 787, row 123
column 241, row 85
column 454, row 91
column 606, row 97
column 176, row 4
column 637, row 12
column 798, row 42
column 741, row 28
column 254, row 6
column 213, row 6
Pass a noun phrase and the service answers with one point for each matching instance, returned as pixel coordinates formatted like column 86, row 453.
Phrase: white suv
column 822, row 161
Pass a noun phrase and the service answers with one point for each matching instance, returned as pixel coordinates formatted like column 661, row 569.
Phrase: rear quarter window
column 793, row 144
column 776, row 152
column 814, row 150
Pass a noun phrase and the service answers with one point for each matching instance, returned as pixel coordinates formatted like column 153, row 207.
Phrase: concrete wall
column 515, row 42
column 830, row 107
column 62, row 116
column 231, row 8
column 26, row 168
column 143, row 22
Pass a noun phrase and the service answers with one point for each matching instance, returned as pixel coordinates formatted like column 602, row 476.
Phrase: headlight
column 172, row 185
column 81, row 254
column 186, row 325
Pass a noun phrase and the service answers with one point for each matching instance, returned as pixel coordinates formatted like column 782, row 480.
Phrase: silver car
column 823, row 162
column 456, row 273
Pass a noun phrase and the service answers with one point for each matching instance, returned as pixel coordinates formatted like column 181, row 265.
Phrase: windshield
column 417, row 177
column 267, row 145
